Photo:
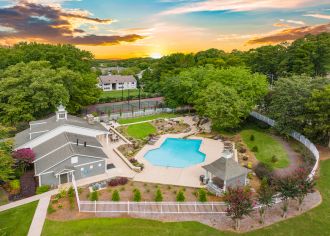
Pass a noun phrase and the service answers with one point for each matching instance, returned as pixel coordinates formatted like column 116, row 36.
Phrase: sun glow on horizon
column 156, row 55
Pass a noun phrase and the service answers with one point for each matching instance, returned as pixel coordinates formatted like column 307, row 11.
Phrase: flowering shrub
column 122, row 180
column 24, row 157
column 118, row 181
column 239, row 203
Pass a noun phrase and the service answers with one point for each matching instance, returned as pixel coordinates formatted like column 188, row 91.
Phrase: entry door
column 63, row 178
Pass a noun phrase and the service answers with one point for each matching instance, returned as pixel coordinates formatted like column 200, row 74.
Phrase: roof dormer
column 61, row 113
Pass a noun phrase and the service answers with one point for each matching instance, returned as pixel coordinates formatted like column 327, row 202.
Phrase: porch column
column 210, row 178
column 107, row 135
column 224, row 185
column 206, row 176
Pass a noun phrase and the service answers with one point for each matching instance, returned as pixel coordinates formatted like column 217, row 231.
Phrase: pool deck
column 188, row 176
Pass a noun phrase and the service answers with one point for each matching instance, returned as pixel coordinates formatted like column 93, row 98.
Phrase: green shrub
column 252, row 137
column 50, row 209
column 55, row 201
column 94, row 196
column 202, row 195
column 42, row 189
column 137, row 195
column 180, row 197
column 60, row 206
column 71, row 192
column 115, row 196
column 249, row 165
column 263, row 170
column 254, row 149
column 80, row 190
column 72, row 203
column 159, row 196
column 62, row 193
column 250, row 175
column 14, row 184
column 274, row 159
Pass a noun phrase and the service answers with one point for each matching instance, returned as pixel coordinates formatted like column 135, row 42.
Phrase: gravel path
column 294, row 158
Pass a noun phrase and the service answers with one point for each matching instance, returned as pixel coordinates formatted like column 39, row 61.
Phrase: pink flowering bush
column 239, row 203
column 24, row 157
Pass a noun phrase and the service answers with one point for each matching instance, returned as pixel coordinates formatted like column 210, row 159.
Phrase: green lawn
column 140, row 131
column 314, row 222
column 16, row 221
column 267, row 147
column 145, row 118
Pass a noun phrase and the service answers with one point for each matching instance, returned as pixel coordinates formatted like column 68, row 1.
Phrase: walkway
column 39, row 217
column 28, row 200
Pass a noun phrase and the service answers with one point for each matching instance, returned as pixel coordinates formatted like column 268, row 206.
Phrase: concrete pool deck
column 188, row 176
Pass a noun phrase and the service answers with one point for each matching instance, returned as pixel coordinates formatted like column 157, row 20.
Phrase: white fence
column 153, row 207
column 297, row 136
column 142, row 112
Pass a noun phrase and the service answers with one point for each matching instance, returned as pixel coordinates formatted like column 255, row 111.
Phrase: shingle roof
column 108, row 79
column 63, row 146
column 49, row 124
column 225, row 168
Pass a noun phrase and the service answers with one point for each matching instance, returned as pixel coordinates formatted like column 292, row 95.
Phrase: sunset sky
column 134, row 28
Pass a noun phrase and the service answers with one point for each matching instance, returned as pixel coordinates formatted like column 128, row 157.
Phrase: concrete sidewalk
column 39, row 217
column 28, row 200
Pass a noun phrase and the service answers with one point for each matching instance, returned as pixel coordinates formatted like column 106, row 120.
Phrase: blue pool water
column 177, row 153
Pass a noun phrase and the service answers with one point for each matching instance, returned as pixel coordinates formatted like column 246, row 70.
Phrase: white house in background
column 117, row 82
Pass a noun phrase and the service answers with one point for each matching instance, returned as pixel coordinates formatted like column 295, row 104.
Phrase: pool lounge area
column 177, row 153
column 203, row 150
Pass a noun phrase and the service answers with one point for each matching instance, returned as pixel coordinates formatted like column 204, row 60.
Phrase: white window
column 61, row 116
column 91, row 167
column 82, row 169
column 100, row 164
column 74, row 160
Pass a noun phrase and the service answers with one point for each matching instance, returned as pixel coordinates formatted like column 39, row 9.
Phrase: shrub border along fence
column 297, row 136
column 198, row 207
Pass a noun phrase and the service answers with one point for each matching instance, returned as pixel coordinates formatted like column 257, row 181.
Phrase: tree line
column 227, row 86
column 35, row 78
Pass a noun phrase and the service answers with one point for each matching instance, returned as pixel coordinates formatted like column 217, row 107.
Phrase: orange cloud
column 290, row 34
column 281, row 25
column 52, row 24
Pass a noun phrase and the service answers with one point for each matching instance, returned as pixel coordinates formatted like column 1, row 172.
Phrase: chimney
column 77, row 142
column 85, row 144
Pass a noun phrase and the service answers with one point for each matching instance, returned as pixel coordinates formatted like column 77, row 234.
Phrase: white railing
column 153, row 207
column 75, row 190
column 297, row 136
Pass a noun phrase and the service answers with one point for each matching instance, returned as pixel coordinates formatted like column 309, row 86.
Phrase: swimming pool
column 175, row 152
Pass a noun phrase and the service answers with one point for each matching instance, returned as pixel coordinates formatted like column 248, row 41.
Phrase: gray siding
column 238, row 181
column 97, row 169
column 48, row 179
